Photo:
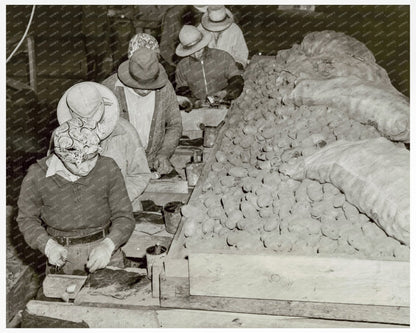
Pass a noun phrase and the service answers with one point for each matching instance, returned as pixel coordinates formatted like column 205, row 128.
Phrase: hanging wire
column 24, row 35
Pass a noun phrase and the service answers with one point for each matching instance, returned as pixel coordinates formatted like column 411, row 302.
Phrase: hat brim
column 125, row 77
column 184, row 52
column 217, row 26
column 111, row 109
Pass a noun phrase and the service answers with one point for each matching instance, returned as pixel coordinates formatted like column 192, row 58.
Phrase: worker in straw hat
column 205, row 72
column 93, row 101
column 73, row 203
column 147, row 100
column 225, row 34
column 173, row 21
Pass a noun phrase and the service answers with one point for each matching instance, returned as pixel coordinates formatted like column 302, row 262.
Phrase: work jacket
column 207, row 77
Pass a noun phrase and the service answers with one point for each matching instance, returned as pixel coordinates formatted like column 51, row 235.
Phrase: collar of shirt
column 55, row 166
column 118, row 130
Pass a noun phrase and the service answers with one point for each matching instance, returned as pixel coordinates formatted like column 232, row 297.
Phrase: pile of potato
column 248, row 203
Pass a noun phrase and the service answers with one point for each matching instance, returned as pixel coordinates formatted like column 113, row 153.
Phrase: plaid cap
column 77, row 140
column 142, row 40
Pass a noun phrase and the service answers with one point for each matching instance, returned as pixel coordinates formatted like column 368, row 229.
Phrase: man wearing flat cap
column 148, row 101
column 205, row 72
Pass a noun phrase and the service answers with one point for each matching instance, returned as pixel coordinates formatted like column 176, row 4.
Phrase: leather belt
column 65, row 241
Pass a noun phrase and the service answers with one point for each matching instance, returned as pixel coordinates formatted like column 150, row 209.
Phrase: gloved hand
column 186, row 104
column 162, row 165
column 100, row 255
column 220, row 94
column 198, row 104
column 56, row 253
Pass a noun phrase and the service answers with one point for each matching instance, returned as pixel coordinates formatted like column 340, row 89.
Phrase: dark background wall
column 78, row 43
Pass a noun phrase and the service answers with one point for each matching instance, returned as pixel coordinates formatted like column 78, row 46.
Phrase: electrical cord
column 24, row 35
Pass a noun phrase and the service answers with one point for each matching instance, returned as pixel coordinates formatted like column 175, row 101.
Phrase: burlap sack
column 365, row 101
column 374, row 175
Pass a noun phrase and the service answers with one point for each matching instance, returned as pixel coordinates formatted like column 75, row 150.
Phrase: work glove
column 186, row 104
column 100, row 255
column 220, row 95
column 56, row 253
column 162, row 165
column 198, row 104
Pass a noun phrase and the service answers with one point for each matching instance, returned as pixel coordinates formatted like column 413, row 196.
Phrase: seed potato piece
column 189, row 228
column 248, row 210
column 270, row 224
column 264, row 200
column 238, row 172
column 208, row 226
column 351, row 213
column 314, row 191
column 227, row 181
column 266, row 212
column 339, row 200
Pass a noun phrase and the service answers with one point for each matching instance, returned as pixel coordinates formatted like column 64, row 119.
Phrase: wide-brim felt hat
column 191, row 40
column 226, row 18
column 143, row 71
column 93, row 101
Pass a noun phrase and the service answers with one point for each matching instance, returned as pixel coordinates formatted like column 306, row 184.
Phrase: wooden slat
column 108, row 317
column 167, row 186
column 176, row 268
column 178, row 318
column 96, row 316
column 300, row 278
column 174, row 292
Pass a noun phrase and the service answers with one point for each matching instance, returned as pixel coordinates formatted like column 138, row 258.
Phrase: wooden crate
column 335, row 288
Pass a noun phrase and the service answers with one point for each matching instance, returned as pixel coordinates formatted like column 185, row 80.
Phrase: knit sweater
column 166, row 126
column 54, row 206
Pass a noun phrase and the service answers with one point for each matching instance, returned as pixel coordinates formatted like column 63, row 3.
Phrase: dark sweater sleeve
column 122, row 220
column 173, row 130
column 234, row 88
column 30, row 205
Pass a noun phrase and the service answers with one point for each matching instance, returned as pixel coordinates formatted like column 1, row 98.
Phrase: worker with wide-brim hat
column 148, row 101
column 172, row 22
column 205, row 72
column 226, row 35
column 94, row 101
column 73, row 203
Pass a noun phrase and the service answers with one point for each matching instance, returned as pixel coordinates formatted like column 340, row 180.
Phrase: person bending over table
column 204, row 72
column 73, row 203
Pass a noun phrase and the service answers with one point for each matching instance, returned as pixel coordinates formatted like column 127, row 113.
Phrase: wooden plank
column 174, row 293
column 107, row 317
column 167, row 186
column 176, row 268
column 300, row 278
column 178, row 318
